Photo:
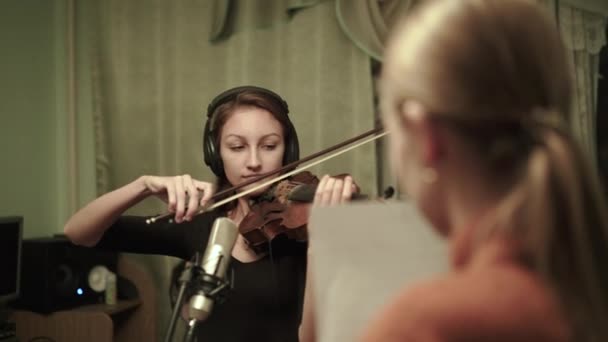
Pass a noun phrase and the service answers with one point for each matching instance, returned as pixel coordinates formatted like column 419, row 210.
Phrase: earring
column 429, row 175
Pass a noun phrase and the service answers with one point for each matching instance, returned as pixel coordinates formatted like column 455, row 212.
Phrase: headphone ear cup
column 210, row 152
column 292, row 150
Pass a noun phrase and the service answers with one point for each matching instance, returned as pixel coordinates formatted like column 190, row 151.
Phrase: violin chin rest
column 306, row 193
column 303, row 193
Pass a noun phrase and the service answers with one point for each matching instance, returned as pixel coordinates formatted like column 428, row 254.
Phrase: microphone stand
column 184, row 280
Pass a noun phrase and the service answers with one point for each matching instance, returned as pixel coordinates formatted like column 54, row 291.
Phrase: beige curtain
column 226, row 15
column 365, row 22
column 368, row 22
column 583, row 32
column 584, row 35
column 154, row 70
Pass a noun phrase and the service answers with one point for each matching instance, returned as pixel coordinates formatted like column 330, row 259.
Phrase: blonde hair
column 495, row 71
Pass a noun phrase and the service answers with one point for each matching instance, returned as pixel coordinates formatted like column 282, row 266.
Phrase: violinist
column 476, row 94
column 248, row 133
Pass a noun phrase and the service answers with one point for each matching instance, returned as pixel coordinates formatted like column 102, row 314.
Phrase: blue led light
column 79, row 291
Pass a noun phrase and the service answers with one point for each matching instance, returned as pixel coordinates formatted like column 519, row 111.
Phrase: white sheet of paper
column 362, row 254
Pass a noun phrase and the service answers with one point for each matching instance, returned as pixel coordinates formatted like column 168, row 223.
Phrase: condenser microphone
column 213, row 267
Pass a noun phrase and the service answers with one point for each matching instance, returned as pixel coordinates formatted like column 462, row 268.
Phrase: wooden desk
column 90, row 323
column 130, row 320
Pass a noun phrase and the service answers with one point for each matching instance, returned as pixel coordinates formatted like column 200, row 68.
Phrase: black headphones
column 211, row 151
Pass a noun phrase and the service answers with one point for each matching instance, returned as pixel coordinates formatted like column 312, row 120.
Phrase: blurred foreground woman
column 476, row 94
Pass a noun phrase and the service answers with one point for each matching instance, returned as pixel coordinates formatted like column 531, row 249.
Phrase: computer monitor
column 11, row 231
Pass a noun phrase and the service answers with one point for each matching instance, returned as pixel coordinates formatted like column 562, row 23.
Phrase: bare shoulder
column 500, row 303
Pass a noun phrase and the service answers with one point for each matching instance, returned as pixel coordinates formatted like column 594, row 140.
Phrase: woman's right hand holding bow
column 183, row 194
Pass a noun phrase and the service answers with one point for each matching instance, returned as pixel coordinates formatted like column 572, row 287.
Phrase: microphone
column 213, row 268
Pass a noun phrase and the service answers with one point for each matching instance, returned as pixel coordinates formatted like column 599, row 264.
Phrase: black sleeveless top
column 266, row 303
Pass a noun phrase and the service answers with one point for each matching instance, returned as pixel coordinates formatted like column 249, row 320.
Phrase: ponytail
column 558, row 214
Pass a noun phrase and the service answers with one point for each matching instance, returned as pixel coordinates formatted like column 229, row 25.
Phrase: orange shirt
column 487, row 296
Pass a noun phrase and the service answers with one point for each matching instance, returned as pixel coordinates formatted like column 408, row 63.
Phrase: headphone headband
column 231, row 94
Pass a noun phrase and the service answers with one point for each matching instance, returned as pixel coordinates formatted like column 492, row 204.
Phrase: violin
column 277, row 214
column 284, row 210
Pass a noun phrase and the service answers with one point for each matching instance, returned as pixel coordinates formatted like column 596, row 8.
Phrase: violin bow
column 378, row 131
